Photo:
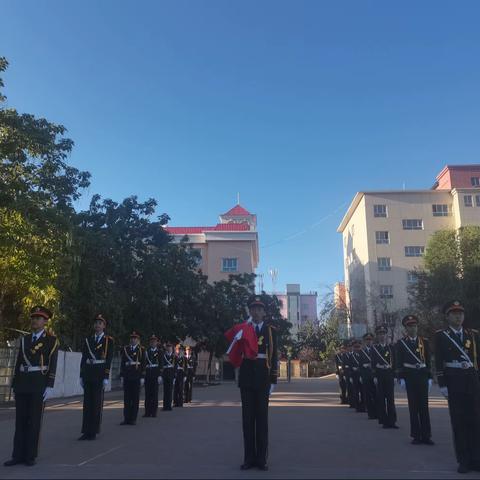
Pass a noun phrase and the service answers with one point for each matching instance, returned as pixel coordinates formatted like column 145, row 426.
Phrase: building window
column 477, row 200
column 475, row 181
column 386, row 291
column 440, row 210
column 382, row 237
column 412, row 278
column 412, row 224
column 468, row 201
column 414, row 251
column 384, row 264
column 379, row 210
column 229, row 264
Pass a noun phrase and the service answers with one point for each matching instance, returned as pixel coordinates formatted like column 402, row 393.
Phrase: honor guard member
column 366, row 375
column 95, row 366
column 180, row 367
column 356, row 364
column 347, row 363
column 132, row 374
column 152, row 377
column 33, row 383
column 256, row 380
column 383, row 363
column 191, row 362
column 457, row 367
column 168, row 376
column 340, row 371
column 414, row 374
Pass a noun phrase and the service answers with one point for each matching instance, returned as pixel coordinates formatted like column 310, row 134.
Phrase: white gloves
column 48, row 393
column 160, row 380
column 351, row 380
column 430, row 381
column 444, row 391
column 272, row 388
column 105, row 382
column 81, row 383
column 336, row 376
column 375, row 381
column 402, row 383
column 360, row 380
column 121, row 381
column 142, row 382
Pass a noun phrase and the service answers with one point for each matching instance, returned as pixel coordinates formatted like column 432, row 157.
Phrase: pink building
column 458, row 176
column 298, row 308
column 229, row 247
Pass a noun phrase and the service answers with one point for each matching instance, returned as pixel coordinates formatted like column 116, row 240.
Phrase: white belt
column 261, row 355
column 179, row 368
column 355, row 369
column 384, row 367
column 168, row 366
column 414, row 365
column 90, row 361
column 367, row 365
column 25, row 369
column 152, row 365
column 132, row 363
column 463, row 365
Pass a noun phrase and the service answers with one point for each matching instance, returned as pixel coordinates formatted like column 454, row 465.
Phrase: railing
column 8, row 356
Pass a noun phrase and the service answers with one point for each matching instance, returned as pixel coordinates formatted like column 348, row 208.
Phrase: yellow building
column 385, row 234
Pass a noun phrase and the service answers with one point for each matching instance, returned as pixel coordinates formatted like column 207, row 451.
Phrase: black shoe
column 263, row 467
column 92, row 437
column 246, row 466
column 428, row 441
column 84, row 436
column 416, row 441
column 30, row 463
column 462, row 468
column 12, row 462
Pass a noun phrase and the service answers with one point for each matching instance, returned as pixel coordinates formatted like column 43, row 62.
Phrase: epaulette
column 440, row 331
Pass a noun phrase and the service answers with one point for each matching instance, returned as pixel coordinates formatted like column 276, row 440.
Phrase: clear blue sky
column 297, row 105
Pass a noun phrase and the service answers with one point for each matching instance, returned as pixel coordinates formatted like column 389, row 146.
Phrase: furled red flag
column 244, row 343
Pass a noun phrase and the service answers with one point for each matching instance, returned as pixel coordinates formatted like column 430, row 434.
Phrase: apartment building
column 384, row 238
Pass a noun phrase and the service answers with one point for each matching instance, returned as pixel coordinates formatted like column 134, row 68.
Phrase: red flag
column 244, row 343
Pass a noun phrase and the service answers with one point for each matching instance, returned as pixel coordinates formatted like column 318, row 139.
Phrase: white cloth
column 402, row 384
column 142, row 382
column 272, row 388
column 444, row 391
column 430, row 382
column 160, row 380
column 105, row 382
column 375, row 381
column 36, row 336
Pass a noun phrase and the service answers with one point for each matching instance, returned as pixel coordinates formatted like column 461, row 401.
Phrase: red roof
column 237, row 211
column 220, row 227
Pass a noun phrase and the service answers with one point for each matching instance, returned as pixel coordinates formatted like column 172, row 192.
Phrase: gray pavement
column 311, row 436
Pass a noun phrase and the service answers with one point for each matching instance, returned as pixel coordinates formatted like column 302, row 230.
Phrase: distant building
column 385, row 234
column 230, row 247
column 298, row 308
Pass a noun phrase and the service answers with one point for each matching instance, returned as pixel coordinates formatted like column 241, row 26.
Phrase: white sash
column 413, row 355
column 367, row 355
column 462, row 351
column 169, row 363
column 381, row 356
column 27, row 361
column 90, row 350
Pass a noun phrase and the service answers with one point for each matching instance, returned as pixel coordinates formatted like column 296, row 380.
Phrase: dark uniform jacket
column 96, row 359
column 43, row 353
column 383, row 358
column 365, row 358
column 446, row 351
column 262, row 372
column 417, row 359
column 180, row 364
column 168, row 366
column 339, row 367
column 191, row 364
column 132, row 365
column 153, row 363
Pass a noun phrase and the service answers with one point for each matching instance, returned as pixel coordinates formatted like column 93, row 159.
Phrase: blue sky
column 296, row 105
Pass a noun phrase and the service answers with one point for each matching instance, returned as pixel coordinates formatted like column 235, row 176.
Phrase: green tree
column 451, row 271
column 37, row 191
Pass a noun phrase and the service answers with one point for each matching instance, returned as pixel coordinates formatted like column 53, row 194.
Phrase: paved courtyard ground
column 311, row 436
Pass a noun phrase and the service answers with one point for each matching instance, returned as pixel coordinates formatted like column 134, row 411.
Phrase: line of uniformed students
column 367, row 378
column 35, row 371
